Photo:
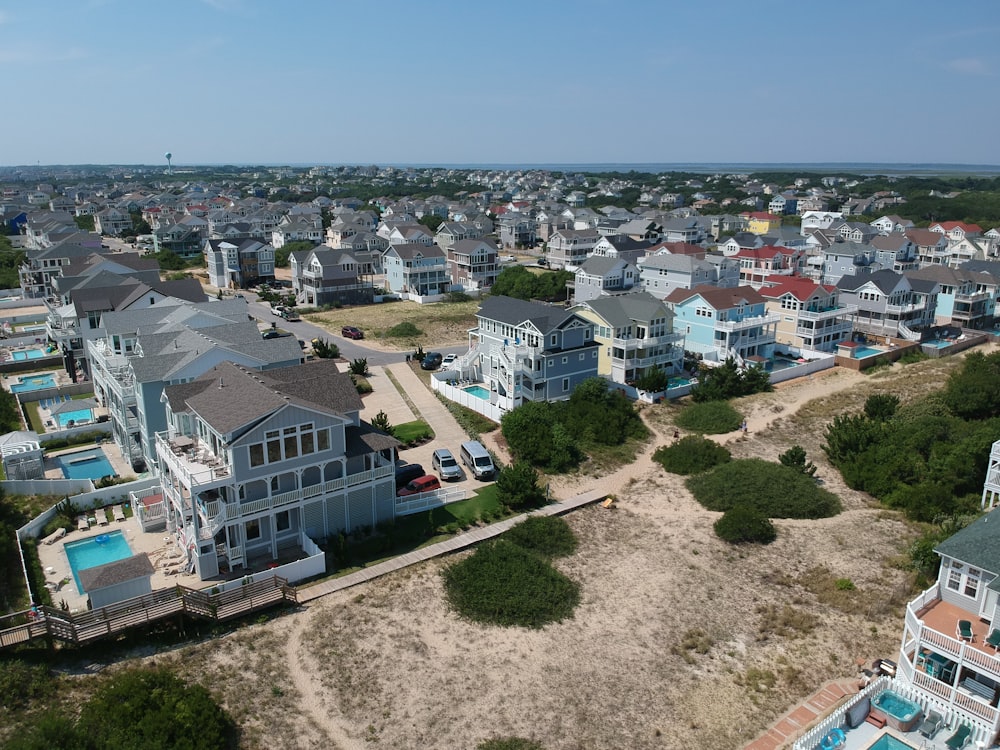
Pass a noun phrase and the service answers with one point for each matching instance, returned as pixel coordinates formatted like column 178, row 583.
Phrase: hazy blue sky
column 548, row 81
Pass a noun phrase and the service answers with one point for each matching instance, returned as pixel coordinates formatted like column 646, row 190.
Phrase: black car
column 406, row 473
column 431, row 361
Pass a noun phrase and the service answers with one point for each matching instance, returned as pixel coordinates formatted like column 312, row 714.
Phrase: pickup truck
column 286, row 313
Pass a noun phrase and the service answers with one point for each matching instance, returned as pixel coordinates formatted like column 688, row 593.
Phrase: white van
column 478, row 459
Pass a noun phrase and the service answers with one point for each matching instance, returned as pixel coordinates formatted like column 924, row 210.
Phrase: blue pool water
column 478, row 391
column 34, row 383
column 24, row 354
column 33, row 328
column 678, row 382
column 938, row 343
column 866, row 351
column 78, row 416
column 89, row 464
column 98, row 550
column 888, row 742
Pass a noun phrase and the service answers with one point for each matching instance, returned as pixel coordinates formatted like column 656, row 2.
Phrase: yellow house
column 635, row 333
column 761, row 222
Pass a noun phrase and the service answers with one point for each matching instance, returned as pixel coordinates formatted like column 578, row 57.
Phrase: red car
column 426, row 483
column 352, row 332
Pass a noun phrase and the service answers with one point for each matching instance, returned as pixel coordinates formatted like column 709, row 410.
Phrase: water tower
column 168, row 157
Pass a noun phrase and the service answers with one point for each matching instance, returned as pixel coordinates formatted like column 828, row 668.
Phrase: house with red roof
column 810, row 314
column 956, row 230
column 757, row 264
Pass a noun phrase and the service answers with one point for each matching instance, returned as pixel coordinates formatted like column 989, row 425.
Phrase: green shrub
column 844, row 584
column 547, row 535
column 771, row 489
column 358, row 366
column 503, row 584
column 457, row 297
column 404, row 330
column 728, row 380
column 21, row 683
column 742, row 525
column 473, row 423
column 691, row 455
column 517, row 486
column 709, row 418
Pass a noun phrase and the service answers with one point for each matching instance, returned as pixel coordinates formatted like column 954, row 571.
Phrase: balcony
column 190, row 461
column 647, row 343
column 934, row 620
column 903, row 309
column 825, row 313
column 759, row 321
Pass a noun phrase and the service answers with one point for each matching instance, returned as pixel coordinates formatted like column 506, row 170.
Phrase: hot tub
column 901, row 713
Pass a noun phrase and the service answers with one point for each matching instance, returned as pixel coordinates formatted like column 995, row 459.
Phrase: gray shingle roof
column 109, row 574
column 978, row 544
column 516, row 311
column 619, row 310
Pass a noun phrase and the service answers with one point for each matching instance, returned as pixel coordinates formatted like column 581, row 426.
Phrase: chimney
column 221, row 384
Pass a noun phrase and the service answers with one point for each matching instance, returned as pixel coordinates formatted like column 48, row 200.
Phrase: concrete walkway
column 455, row 543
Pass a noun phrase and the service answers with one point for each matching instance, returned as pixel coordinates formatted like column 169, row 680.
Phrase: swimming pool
column 937, row 343
column 866, row 351
column 678, row 382
column 78, row 417
column 89, row 464
column 888, row 742
column 478, row 391
column 98, row 550
column 901, row 712
column 26, row 354
column 32, row 328
column 34, row 383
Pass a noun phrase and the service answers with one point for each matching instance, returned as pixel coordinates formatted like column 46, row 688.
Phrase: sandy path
column 309, row 688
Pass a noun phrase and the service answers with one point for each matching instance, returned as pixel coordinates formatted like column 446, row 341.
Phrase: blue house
column 721, row 323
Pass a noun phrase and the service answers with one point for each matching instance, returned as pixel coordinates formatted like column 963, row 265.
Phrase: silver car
column 445, row 465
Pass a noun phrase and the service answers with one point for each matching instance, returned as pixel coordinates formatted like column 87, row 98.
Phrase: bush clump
column 504, row 584
column 547, row 535
column 742, row 524
column 404, row 330
column 774, row 490
column 691, row 455
column 709, row 418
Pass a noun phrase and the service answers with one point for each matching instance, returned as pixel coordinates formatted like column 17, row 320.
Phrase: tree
column 281, row 254
column 151, row 709
column 139, row 224
column 528, row 431
column 517, row 486
column 170, row 261
column 972, row 392
column 381, row 422
column 431, row 221
column 795, row 458
column 85, row 222
column 652, row 380
column 881, row 406
column 324, row 349
column 358, row 366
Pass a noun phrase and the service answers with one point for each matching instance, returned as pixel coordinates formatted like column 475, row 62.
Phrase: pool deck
column 159, row 547
column 122, row 467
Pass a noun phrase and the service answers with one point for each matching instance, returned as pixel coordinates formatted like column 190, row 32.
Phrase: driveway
column 447, row 432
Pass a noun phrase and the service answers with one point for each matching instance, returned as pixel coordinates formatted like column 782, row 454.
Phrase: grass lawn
column 412, row 532
column 440, row 323
column 409, row 432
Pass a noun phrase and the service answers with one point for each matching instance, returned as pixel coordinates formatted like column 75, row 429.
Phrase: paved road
column 349, row 348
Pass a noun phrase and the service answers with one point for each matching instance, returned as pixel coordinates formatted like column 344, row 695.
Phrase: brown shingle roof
column 720, row 299
column 119, row 571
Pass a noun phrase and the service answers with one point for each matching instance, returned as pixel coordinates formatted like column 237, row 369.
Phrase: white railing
column 745, row 323
column 832, row 312
column 649, row 342
column 952, row 713
column 460, row 396
column 216, row 511
column 426, row 500
column 814, row 736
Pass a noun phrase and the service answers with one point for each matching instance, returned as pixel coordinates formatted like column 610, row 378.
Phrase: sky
column 517, row 82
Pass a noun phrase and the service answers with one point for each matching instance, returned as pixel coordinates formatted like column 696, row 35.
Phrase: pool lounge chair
column 118, row 513
column 994, row 639
column 961, row 737
column 964, row 631
column 930, row 726
column 82, row 524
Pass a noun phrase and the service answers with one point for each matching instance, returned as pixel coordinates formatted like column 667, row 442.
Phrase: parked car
column 448, row 360
column 431, row 361
column 274, row 334
column 445, row 465
column 352, row 332
column 542, row 262
column 426, row 483
column 478, row 459
column 406, row 473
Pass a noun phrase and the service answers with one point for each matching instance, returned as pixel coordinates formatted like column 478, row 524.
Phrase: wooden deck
column 49, row 622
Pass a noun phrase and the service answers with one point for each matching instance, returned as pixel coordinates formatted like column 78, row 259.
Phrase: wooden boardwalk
column 455, row 543
column 49, row 622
